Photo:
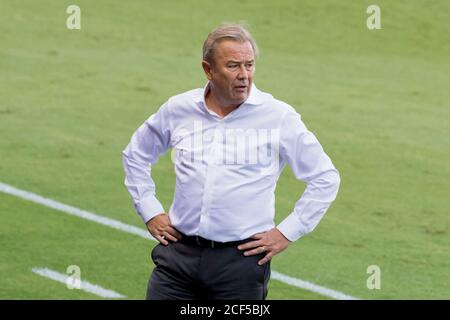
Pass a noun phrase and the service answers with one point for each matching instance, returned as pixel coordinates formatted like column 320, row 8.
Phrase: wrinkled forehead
column 231, row 50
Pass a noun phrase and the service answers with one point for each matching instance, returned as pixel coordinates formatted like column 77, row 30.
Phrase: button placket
column 210, row 175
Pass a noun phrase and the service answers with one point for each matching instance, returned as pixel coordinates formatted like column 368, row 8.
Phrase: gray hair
column 230, row 31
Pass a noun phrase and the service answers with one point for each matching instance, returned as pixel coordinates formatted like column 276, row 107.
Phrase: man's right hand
column 161, row 229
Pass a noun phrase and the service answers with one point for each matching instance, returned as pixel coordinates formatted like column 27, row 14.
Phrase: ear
column 207, row 69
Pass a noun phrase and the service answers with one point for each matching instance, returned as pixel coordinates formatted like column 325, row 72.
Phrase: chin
column 242, row 96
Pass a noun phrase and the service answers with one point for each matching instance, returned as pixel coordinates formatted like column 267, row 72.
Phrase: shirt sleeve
column 147, row 144
column 303, row 152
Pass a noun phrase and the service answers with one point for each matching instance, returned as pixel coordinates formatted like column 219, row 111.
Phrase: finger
column 170, row 237
column 255, row 251
column 161, row 239
column 266, row 258
column 174, row 232
column 249, row 245
column 258, row 235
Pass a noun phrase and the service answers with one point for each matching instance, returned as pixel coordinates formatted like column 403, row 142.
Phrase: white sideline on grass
column 295, row 282
column 85, row 286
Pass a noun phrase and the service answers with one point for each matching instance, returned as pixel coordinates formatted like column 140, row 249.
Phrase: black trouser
column 187, row 270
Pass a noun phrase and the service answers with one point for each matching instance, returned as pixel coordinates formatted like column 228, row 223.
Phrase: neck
column 213, row 103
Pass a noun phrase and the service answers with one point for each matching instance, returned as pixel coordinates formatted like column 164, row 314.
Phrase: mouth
column 241, row 88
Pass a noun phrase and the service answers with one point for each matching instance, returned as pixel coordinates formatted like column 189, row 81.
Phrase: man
column 231, row 143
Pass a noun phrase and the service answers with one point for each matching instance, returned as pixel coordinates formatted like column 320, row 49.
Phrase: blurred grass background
column 377, row 100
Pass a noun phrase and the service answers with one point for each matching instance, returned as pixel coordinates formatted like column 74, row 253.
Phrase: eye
column 232, row 65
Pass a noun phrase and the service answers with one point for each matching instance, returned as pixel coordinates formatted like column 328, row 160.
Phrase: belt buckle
column 204, row 242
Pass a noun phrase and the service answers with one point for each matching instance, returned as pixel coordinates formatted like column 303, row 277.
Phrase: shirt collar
column 255, row 97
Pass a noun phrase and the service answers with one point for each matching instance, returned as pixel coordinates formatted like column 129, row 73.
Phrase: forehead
column 234, row 50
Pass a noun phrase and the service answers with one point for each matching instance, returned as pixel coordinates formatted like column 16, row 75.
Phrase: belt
column 202, row 242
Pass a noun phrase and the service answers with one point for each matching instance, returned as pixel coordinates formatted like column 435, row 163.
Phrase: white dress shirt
column 227, row 168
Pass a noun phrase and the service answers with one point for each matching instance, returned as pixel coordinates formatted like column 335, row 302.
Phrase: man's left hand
column 271, row 242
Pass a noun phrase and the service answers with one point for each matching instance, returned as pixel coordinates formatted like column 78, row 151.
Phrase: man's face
column 231, row 73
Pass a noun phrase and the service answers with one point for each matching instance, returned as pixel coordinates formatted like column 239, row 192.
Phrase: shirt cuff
column 292, row 228
column 149, row 207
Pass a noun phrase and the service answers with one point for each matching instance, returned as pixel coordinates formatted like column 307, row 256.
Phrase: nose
column 243, row 73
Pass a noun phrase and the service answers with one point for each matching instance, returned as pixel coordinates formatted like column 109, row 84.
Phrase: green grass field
column 377, row 100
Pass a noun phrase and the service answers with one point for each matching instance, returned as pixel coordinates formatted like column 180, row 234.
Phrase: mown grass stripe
column 295, row 282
